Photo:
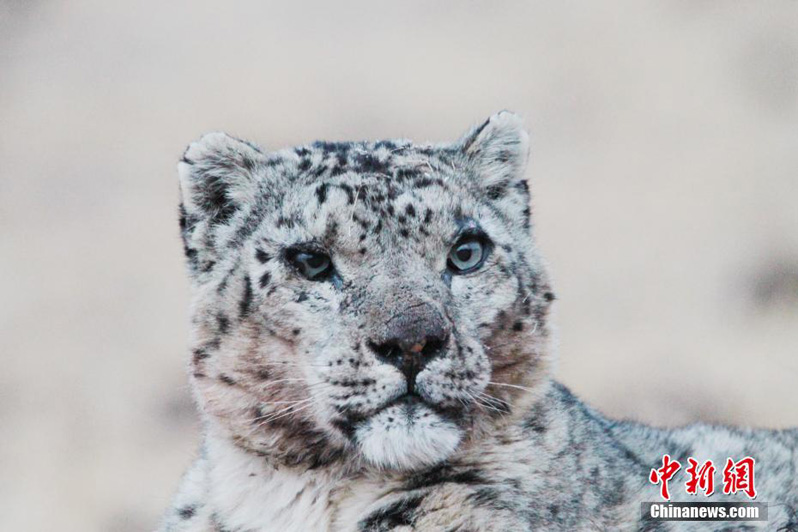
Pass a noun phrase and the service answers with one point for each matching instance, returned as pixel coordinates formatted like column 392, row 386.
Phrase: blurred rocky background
column 664, row 169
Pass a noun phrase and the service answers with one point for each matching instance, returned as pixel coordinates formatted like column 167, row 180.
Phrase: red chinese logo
column 664, row 474
column 739, row 476
column 702, row 478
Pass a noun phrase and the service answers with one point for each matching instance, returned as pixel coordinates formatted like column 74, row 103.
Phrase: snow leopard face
column 380, row 303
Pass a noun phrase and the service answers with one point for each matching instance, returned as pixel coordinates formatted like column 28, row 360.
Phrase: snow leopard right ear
column 217, row 177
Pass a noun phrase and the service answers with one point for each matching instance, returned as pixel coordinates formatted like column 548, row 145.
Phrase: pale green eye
column 313, row 265
column 466, row 256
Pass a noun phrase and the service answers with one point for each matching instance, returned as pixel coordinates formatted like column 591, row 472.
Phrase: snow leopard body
column 312, row 423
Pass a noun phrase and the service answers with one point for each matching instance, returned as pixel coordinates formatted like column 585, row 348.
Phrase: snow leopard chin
column 407, row 437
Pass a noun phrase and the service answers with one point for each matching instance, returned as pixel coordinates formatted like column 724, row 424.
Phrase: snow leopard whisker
column 283, row 409
column 483, row 404
column 493, row 403
column 291, row 363
column 486, row 406
column 287, row 412
column 511, row 386
column 494, row 399
column 354, row 206
column 264, row 420
column 279, row 381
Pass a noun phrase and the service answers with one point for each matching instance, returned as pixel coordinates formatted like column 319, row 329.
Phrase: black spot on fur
column 535, row 423
column 400, row 513
column 212, row 198
column 523, row 186
column 227, row 380
column 262, row 256
column 214, row 344
column 208, row 266
column 360, row 221
column 504, row 156
column 303, row 296
column 223, row 322
column 548, row 296
column 368, row 163
column 406, row 173
column 331, row 147
column 199, row 354
column 187, row 512
column 183, row 218
column 191, row 257
column 425, row 182
column 496, row 192
column 296, row 332
column 245, row 304
column 350, row 193
column 404, row 232
column 331, row 230
column 347, row 425
column 263, row 282
column 518, row 326
column 390, row 145
column 287, row 222
column 485, row 496
column 441, row 475
column 321, row 193
column 218, row 524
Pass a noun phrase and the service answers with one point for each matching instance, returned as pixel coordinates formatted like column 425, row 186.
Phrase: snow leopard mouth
column 409, row 406
column 411, row 402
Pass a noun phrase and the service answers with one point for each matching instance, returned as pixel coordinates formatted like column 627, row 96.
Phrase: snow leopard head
column 380, row 303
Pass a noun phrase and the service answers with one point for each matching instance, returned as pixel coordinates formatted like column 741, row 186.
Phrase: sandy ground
column 665, row 174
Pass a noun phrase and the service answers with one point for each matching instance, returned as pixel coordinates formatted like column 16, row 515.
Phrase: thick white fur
column 400, row 439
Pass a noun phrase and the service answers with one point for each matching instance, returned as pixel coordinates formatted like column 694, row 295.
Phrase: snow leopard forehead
column 395, row 180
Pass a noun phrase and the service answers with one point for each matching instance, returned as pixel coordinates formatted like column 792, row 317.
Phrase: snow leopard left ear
column 497, row 152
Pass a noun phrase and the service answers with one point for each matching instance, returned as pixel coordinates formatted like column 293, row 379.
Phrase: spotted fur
column 308, row 428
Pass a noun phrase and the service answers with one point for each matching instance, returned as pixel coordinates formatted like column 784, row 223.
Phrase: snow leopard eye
column 467, row 255
column 315, row 265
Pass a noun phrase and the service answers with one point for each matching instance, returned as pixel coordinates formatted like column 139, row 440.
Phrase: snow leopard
column 371, row 350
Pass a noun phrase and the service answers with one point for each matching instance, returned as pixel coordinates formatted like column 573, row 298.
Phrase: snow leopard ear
column 498, row 149
column 217, row 177
column 497, row 152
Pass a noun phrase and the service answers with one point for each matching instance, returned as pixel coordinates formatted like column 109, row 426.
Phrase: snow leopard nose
column 412, row 351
